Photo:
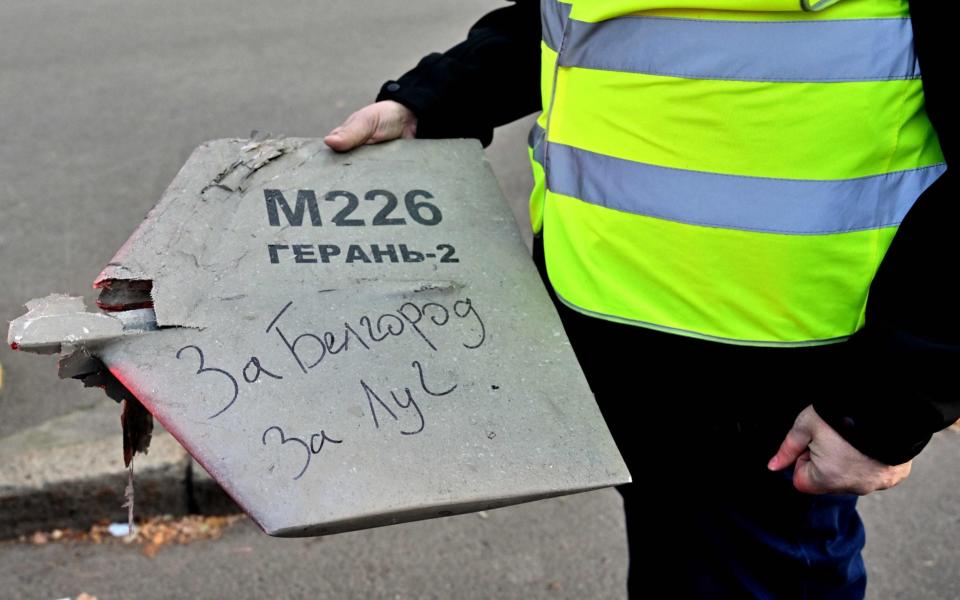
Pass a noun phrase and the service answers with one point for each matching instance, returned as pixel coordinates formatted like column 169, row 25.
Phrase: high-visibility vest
column 732, row 170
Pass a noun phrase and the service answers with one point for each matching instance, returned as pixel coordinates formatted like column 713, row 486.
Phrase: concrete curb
column 68, row 472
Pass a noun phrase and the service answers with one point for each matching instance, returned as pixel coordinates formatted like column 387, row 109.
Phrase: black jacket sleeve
column 488, row 80
column 910, row 348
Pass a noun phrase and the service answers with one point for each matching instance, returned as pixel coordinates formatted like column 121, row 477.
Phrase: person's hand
column 372, row 124
column 827, row 464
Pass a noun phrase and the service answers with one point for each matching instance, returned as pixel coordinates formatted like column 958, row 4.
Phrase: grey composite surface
column 338, row 363
column 102, row 102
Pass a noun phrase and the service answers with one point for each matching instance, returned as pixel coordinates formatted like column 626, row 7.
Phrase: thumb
column 792, row 448
column 355, row 131
column 806, row 477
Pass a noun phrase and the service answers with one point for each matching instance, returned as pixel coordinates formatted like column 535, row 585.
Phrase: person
column 747, row 454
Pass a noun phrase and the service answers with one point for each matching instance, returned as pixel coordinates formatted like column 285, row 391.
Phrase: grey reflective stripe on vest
column 794, row 51
column 762, row 204
column 535, row 139
column 553, row 17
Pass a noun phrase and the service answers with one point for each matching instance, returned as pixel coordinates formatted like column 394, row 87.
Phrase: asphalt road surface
column 101, row 101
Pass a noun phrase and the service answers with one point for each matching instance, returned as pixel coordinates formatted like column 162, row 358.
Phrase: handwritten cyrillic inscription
column 292, row 350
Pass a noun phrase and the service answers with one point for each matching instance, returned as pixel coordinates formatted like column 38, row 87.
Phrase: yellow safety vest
column 732, row 170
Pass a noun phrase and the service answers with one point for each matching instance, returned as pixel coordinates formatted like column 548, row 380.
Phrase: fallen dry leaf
column 151, row 535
